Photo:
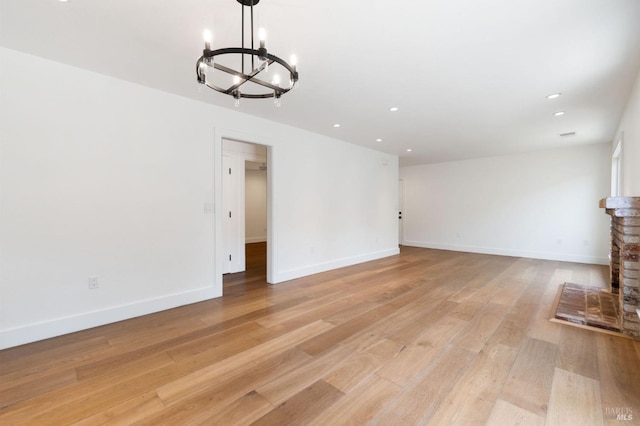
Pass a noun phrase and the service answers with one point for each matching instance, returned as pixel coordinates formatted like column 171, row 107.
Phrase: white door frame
column 220, row 134
column 400, row 211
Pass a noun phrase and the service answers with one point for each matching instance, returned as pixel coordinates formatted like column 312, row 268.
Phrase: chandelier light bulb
column 293, row 60
column 236, row 80
column 236, row 96
column 203, row 73
column 262, row 36
column 208, row 38
column 276, row 80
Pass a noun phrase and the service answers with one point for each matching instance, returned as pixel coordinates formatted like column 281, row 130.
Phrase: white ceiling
column 469, row 77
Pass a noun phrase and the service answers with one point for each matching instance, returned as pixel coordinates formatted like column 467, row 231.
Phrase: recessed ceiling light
column 378, row 140
column 336, row 125
column 409, row 150
column 393, row 109
column 559, row 113
column 564, row 135
column 554, row 95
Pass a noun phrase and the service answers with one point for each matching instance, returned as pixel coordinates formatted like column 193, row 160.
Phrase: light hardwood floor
column 426, row 337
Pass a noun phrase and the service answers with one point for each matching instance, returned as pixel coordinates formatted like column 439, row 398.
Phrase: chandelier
column 254, row 84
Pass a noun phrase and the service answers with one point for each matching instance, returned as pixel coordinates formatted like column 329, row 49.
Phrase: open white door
column 233, row 214
column 227, row 216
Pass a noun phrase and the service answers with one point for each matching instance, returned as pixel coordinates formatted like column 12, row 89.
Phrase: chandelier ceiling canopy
column 262, row 80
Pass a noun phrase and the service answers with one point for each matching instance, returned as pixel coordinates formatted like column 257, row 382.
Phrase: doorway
column 255, row 219
column 244, row 212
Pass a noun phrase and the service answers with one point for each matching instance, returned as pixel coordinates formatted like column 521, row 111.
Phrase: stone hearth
column 591, row 306
column 625, row 258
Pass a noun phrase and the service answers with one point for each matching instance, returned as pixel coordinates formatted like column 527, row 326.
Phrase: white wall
column 629, row 130
column 255, row 205
column 540, row 205
column 103, row 177
column 335, row 187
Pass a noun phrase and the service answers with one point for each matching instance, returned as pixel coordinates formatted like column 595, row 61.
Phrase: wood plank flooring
column 426, row 337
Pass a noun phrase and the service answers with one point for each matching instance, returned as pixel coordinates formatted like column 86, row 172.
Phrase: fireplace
column 625, row 258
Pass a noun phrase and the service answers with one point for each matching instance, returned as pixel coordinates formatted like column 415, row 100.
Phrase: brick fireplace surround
column 625, row 258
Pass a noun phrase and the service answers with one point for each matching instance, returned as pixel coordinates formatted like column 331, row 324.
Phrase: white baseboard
column 334, row 264
column 59, row 326
column 250, row 240
column 563, row 257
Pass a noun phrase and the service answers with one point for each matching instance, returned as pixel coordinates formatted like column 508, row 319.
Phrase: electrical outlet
column 93, row 282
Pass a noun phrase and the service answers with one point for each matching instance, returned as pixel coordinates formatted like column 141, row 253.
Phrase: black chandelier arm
column 240, row 95
column 275, row 91
column 208, row 54
column 247, row 77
